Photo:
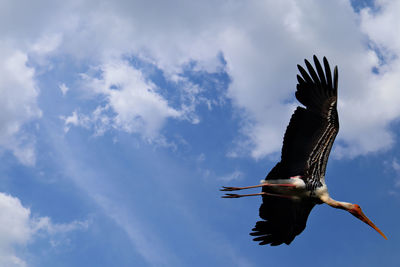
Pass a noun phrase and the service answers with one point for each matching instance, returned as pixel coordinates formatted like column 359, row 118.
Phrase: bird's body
column 297, row 183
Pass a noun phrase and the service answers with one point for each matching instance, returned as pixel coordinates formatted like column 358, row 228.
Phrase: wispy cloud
column 44, row 224
column 75, row 119
column 234, row 176
column 152, row 244
column 64, row 89
column 396, row 168
column 149, row 246
column 102, row 191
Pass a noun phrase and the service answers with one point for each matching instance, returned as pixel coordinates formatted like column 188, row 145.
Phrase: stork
column 297, row 183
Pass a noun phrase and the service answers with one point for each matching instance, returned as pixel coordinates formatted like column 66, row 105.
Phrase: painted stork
column 297, row 183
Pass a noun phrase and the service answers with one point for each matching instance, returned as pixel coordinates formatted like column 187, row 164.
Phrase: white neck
column 336, row 204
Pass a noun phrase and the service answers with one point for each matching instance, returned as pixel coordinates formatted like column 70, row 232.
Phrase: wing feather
column 321, row 119
column 306, row 146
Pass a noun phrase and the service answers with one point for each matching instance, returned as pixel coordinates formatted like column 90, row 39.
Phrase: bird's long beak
column 360, row 215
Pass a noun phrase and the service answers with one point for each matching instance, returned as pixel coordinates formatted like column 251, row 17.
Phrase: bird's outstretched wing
column 306, row 147
column 312, row 130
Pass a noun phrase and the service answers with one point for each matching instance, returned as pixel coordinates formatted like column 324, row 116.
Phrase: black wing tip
column 304, row 74
column 299, row 79
column 264, row 234
column 315, row 58
column 335, row 77
column 312, row 72
column 300, row 67
column 318, row 75
column 269, row 240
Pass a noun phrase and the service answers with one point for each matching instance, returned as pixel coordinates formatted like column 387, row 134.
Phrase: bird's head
column 357, row 212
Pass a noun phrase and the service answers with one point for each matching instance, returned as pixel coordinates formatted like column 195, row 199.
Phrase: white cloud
column 132, row 103
column 64, row 89
column 18, row 228
column 261, row 41
column 46, row 44
column 18, row 103
column 138, row 106
column 264, row 76
column 76, row 120
column 14, row 229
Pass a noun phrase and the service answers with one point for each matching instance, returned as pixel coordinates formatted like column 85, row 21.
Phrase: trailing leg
column 231, row 188
column 256, row 194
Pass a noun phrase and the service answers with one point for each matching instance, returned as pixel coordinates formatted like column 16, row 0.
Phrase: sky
column 120, row 120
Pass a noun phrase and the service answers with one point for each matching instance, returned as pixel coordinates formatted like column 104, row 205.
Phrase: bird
column 297, row 182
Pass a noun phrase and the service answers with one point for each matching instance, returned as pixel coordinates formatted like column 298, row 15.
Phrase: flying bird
column 297, row 183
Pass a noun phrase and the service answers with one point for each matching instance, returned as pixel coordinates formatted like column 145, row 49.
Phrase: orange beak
column 360, row 215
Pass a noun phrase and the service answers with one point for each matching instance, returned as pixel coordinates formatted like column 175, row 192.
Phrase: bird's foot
column 230, row 188
column 232, row 196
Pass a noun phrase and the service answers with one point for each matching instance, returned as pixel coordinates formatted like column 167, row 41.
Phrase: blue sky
column 120, row 122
